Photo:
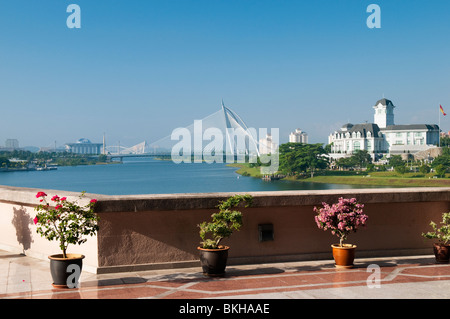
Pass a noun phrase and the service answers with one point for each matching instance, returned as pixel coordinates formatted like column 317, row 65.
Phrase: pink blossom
column 63, row 198
column 55, row 198
column 341, row 218
column 58, row 206
column 93, row 201
column 41, row 194
column 35, row 220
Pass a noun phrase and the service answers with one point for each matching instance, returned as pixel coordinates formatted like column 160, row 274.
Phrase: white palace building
column 383, row 136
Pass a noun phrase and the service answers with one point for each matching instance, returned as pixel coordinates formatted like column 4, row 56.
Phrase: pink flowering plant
column 65, row 221
column 341, row 218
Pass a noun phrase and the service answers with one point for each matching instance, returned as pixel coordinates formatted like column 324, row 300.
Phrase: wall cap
column 151, row 202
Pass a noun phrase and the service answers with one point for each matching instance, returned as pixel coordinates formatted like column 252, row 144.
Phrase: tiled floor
column 417, row 277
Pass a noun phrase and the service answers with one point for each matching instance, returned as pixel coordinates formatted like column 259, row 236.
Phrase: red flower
column 93, row 201
column 63, row 199
column 55, row 198
column 35, row 220
column 41, row 194
column 58, row 206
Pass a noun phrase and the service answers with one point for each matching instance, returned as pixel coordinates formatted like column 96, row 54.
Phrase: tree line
column 41, row 158
column 297, row 159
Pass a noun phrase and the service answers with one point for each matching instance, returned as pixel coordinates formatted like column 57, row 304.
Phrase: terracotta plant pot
column 344, row 256
column 66, row 271
column 214, row 261
column 442, row 252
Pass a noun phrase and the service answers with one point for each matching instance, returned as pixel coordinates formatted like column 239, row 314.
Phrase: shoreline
column 52, row 168
column 369, row 180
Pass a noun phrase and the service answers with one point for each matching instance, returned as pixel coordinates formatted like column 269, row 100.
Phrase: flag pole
column 439, row 130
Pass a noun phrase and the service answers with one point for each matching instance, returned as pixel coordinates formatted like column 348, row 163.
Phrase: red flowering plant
column 341, row 218
column 66, row 221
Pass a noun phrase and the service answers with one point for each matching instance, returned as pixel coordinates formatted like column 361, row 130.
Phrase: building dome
column 84, row 141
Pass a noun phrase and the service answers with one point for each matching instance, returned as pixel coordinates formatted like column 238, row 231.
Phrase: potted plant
column 341, row 219
column 213, row 255
column 442, row 234
column 68, row 223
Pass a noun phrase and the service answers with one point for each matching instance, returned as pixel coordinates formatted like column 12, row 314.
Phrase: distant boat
column 47, row 168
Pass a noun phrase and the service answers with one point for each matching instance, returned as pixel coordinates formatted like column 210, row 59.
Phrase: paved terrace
column 146, row 248
column 408, row 277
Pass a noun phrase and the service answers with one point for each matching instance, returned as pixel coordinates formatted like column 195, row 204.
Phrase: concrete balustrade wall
column 160, row 231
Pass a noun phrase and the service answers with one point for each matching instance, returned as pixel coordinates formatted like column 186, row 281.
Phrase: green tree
column 440, row 170
column 424, row 169
column 361, row 158
column 443, row 159
column 401, row 169
column 370, row 168
column 445, row 141
column 102, row 158
column 327, row 148
column 346, row 162
column 396, row 160
column 4, row 162
column 297, row 157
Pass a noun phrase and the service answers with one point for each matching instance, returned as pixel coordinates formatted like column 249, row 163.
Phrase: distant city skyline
column 136, row 70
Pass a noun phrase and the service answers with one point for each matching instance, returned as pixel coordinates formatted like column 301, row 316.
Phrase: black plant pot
column 66, row 271
column 214, row 261
column 442, row 253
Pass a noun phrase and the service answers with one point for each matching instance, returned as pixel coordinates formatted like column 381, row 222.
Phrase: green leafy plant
column 442, row 234
column 223, row 223
column 66, row 222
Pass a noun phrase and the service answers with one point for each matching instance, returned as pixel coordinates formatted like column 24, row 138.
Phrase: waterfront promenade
column 409, row 277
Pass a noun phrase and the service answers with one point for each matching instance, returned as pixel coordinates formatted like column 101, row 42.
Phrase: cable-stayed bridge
column 220, row 133
column 138, row 149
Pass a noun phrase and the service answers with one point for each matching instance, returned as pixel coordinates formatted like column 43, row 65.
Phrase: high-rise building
column 267, row 146
column 298, row 136
column 12, row 143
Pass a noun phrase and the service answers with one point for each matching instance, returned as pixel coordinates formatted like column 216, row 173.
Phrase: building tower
column 384, row 113
column 104, row 144
column 266, row 145
column 298, row 136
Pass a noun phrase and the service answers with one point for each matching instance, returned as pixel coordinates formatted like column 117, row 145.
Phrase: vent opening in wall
column 265, row 232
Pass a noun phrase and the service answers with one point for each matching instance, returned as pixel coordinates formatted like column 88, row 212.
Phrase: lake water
column 150, row 176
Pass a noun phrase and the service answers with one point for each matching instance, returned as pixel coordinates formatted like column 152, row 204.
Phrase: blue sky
column 136, row 70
